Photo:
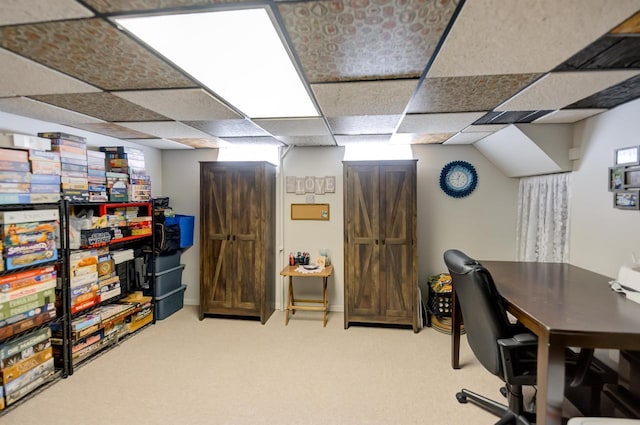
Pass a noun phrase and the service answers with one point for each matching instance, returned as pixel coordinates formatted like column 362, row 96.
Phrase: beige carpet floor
column 225, row 371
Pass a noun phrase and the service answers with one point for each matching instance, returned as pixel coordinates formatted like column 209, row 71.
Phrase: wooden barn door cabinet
column 237, row 239
column 380, row 280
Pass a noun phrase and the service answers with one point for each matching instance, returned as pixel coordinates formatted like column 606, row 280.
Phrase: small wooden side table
column 291, row 304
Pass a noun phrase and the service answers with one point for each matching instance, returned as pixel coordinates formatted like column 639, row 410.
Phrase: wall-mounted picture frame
column 616, row 179
column 632, row 178
column 627, row 200
column 310, row 212
column 627, row 156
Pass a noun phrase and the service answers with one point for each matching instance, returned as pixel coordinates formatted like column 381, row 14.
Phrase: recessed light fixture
column 238, row 54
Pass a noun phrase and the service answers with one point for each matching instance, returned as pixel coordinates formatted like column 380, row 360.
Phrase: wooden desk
column 565, row 306
column 291, row 306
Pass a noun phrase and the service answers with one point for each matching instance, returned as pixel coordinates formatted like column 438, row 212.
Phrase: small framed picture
column 627, row 200
column 627, row 156
column 616, row 179
column 632, row 178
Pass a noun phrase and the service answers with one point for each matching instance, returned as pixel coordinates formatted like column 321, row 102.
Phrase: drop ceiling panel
column 24, row 11
column 421, row 139
column 467, row 94
column 141, row 5
column 609, row 52
column 630, row 26
column 165, row 130
column 611, row 97
column 566, row 116
column 357, row 40
column 114, row 130
column 511, row 117
column 294, row 126
column 540, row 35
column 228, row 128
column 93, row 51
column 437, row 123
column 32, row 108
column 308, row 140
column 203, row 143
column 364, row 98
column 22, row 77
column 369, row 138
column 559, row 89
column 467, row 138
column 364, row 124
column 102, row 105
column 484, row 127
column 181, row 104
column 264, row 140
column 161, row 144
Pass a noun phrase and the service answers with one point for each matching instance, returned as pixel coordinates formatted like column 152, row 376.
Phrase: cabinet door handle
column 233, row 238
column 383, row 242
column 376, row 242
column 228, row 237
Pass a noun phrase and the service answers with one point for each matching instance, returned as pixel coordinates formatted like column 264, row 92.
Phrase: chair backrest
column 483, row 311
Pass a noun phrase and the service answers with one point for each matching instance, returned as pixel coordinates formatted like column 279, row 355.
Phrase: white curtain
column 542, row 232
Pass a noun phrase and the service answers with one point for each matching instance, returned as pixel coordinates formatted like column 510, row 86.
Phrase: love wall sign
column 310, row 184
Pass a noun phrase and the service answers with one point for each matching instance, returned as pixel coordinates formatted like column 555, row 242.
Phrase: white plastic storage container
column 168, row 304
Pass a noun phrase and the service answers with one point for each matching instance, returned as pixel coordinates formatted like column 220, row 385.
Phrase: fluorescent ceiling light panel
column 238, row 54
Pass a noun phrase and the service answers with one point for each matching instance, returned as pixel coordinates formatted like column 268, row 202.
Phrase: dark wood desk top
column 561, row 299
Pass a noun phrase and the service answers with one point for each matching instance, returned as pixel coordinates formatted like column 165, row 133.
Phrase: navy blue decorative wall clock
column 458, row 179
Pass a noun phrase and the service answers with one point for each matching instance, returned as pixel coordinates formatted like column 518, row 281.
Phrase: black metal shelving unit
column 62, row 308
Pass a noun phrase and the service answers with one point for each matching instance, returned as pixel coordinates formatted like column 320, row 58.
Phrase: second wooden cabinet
column 237, row 239
column 380, row 280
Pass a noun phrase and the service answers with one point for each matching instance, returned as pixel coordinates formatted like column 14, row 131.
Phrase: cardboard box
column 18, row 369
column 25, row 341
column 25, row 216
column 45, row 315
column 20, row 261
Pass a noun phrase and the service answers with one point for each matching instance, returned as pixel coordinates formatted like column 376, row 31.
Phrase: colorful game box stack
column 15, row 178
column 25, row 364
column 27, row 300
column 108, row 280
column 45, row 177
column 29, row 237
column 83, row 279
column 73, row 163
column 130, row 161
column 96, row 176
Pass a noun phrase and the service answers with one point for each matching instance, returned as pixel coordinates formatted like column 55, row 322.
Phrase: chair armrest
column 519, row 354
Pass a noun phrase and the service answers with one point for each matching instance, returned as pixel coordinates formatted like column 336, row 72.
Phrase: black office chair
column 507, row 350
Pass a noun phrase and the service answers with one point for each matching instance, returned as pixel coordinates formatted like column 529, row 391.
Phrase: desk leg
column 289, row 301
column 551, row 372
column 456, row 319
column 324, row 301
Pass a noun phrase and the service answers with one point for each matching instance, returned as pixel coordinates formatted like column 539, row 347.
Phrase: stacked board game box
column 108, row 280
column 27, row 300
column 15, row 177
column 97, row 176
column 73, row 163
column 130, row 161
column 83, row 279
column 28, row 237
column 25, row 364
column 45, row 177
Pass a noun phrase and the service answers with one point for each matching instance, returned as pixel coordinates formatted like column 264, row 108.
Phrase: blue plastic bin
column 185, row 222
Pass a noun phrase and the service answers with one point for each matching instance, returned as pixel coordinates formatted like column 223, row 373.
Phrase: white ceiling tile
column 308, row 140
column 25, row 11
column 368, row 138
column 567, row 116
column 181, row 104
column 23, row 77
column 294, row 126
column 467, row 138
column 484, row 127
column 165, row 129
column 494, row 37
column 364, row 124
column 43, row 111
column 438, row 123
column 559, row 89
column 160, row 143
column 364, row 97
column 253, row 140
column 420, row 139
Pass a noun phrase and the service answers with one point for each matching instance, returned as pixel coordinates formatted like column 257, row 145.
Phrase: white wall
column 482, row 224
column 602, row 237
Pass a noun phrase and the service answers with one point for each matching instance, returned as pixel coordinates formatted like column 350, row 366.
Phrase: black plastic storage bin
column 169, row 280
column 168, row 304
column 165, row 262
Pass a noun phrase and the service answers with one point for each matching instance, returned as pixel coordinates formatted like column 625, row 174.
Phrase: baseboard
column 336, row 308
